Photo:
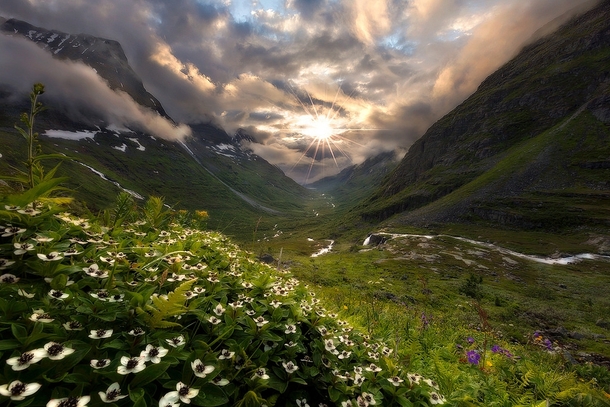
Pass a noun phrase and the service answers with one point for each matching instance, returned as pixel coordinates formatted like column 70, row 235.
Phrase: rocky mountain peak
column 106, row 56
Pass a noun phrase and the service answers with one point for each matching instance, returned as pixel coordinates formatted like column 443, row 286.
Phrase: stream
column 539, row 259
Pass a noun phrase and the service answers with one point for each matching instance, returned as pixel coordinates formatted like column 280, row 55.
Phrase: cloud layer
column 371, row 75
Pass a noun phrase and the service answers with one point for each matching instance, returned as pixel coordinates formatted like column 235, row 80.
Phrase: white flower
column 275, row 303
column 28, row 211
column 236, row 304
column 94, row 271
column 17, row 390
column 170, row 400
column 100, row 333
column 436, row 398
column 260, row 373
column 131, row 365
column 117, row 298
column 8, row 279
column 225, row 354
column 53, row 256
column 329, row 345
column 99, row 364
column 112, row 394
column 24, row 361
column 431, row 383
column 175, row 342
column 57, row 351
column 58, row 295
column 69, row 402
column 368, row 398
column 71, row 252
column 153, row 354
column 43, row 239
column 213, row 320
column 344, row 354
column 219, row 310
column 373, row 368
column 358, row 380
column 4, row 263
column 40, row 316
column 24, row 293
column 12, row 230
column 101, row 295
column 200, row 369
column 290, row 329
column 186, row 393
column 395, row 380
column 414, row 378
column 302, row 403
column 218, row 381
column 137, row 331
column 290, row 367
column 21, row 248
column 260, row 321
column 109, row 260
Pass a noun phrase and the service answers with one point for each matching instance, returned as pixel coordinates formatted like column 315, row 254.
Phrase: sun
column 320, row 128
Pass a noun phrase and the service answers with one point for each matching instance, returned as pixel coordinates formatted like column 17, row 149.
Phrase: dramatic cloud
column 320, row 84
column 81, row 87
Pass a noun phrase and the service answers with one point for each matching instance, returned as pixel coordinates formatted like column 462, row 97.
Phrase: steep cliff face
column 558, row 85
column 103, row 55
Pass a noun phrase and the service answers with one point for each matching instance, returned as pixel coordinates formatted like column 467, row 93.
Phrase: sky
column 319, row 84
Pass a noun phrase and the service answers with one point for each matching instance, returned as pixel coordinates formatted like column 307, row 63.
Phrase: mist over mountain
column 102, row 118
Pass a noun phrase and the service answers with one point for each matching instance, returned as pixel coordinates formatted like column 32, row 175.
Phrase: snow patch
column 104, row 177
column 58, row 50
column 118, row 129
column 122, row 147
column 135, row 140
column 64, row 40
column 70, row 135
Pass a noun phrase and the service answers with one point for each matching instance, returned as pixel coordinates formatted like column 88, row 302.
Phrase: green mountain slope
column 356, row 182
column 530, row 148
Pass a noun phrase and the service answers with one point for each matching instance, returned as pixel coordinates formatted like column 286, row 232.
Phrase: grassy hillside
column 529, row 149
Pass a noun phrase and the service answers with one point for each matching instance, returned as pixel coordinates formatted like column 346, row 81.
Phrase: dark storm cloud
column 308, row 8
column 385, row 69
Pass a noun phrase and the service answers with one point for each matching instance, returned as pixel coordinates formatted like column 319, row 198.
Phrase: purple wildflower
column 473, row 357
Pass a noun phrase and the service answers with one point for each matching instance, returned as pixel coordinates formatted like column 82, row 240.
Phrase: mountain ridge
column 103, row 55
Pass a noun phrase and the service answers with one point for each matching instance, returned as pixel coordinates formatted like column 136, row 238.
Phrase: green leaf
column 277, row 384
column 9, row 344
column 115, row 344
column 137, row 396
column 299, row 381
column 151, row 373
column 34, row 193
column 212, row 396
column 19, row 332
column 334, row 394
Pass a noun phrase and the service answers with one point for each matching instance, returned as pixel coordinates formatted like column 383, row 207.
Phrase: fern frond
column 165, row 307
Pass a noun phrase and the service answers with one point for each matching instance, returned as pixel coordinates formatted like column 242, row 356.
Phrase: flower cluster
column 171, row 316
